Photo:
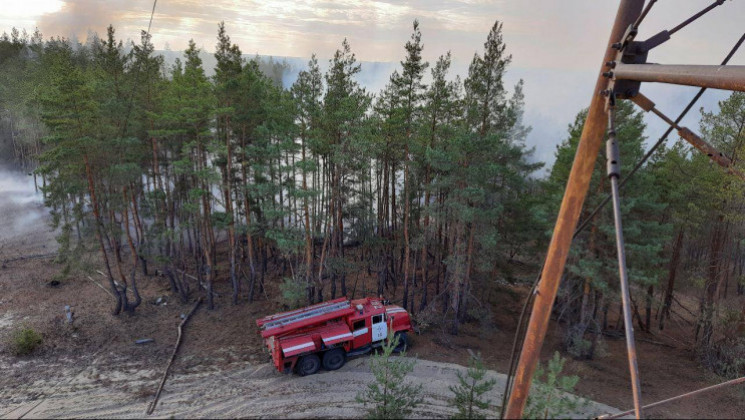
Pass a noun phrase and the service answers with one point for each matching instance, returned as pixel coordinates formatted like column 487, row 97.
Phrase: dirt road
column 86, row 389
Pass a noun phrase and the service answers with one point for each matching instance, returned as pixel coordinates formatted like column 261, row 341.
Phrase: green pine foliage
column 24, row 341
column 469, row 396
column 152, row 166
column 550, row 397
column 592, row 271
column 389, row 396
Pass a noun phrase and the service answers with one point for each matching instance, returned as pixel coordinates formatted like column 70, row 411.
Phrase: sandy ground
column 88, row 389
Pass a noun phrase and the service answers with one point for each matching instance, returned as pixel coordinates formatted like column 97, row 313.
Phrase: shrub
column 24, row 341
column 726, row 356
column 388, row 396
column 293, row 292
column 576, row 344
column 550, row 398
column 428, row 317
column 471, row 387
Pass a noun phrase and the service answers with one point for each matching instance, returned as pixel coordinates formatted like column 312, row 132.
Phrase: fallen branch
column 686, row 346
column 152, row 405
column 689, row 322
column 659, row 343
column 116, row 283
column 30, row 257
column 682, row 306
column 202, row 285
column 99, row 285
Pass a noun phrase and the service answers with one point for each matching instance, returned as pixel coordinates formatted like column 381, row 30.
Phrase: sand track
column 86, row 389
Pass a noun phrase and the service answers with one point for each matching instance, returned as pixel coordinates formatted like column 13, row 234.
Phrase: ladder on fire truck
column 303, row 314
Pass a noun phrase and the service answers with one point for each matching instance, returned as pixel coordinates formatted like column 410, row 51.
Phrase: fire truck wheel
column 403, row 342
column 308, row 365
column 334, row 359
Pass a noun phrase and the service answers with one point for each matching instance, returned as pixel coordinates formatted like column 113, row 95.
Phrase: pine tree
column 592, row 284
column 725, row 130
column 307, row 92
column 186, row 117
column 551, row 398
column 252, row 119
column 410, row 90
column 482, row 165
column 345, row 105
column 389, row 396
column 227, row 76
column 470, row 389
column 441, row 108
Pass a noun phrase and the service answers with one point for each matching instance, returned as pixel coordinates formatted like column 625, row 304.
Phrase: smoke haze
column 23, row 218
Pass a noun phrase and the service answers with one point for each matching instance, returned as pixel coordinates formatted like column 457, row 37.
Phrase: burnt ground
column 98, row 352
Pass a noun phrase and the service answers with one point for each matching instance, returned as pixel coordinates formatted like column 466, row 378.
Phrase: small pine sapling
column 469, row 392
column 550, row 397
column 389, row 397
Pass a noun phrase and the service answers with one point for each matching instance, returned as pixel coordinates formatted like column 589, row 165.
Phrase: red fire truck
column 327, row 333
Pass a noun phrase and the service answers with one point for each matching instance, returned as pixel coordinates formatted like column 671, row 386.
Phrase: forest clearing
column 151, row 197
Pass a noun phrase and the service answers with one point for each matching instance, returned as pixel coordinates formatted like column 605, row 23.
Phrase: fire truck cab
column 327, row 333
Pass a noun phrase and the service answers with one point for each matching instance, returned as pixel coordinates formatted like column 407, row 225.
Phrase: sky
column 556, row 46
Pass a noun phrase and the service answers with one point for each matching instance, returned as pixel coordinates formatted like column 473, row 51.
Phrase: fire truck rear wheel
column 334, row 359
column 308, row 365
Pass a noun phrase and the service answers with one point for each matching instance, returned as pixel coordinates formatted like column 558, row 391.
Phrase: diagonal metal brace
column 664, row 36
column 710, row 151
column 700, row 144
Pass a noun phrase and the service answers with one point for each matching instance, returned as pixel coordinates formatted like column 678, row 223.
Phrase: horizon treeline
column 428, row 189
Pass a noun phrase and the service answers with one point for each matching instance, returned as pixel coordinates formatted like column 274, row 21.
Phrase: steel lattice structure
column 623, row 69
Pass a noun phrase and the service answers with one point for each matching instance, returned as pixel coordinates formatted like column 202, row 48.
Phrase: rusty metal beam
column 715, row 77
column 571, row 206
column 710, row 151
column 647, row 105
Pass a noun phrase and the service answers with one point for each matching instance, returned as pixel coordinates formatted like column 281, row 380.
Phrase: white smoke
column 22, row 209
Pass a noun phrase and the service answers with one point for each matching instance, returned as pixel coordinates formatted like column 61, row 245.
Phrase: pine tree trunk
column 710, row 287
column 458, row 274
column 229, row 211
column 648, row 308
column 133, row 250
column 308, row 238
column 99, row 235
column 247, row 209
column 407, row 210
column 673, row 269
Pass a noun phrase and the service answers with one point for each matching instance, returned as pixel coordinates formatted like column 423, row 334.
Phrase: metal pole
column 715, row 77
column 571, row 206
column 614, row 172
